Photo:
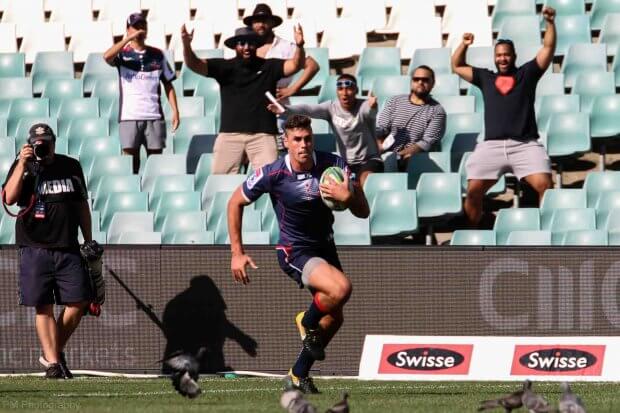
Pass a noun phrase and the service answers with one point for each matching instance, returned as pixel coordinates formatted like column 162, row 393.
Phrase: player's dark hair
column 298, row 122
column 427, row 68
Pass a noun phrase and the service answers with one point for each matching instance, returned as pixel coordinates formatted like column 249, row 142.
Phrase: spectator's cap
column 41, row 132
column 135, row 18
column 262, row 12
column 244, row 34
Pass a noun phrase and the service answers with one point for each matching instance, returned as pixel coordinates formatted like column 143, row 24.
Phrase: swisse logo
column 586, row 360
column 558, row 360
column 427, row 358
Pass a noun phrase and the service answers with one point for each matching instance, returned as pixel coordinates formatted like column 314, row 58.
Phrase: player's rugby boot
column 303, row 384
column 311, row 339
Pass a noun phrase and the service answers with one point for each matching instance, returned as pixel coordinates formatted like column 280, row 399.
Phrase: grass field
column 262, row 395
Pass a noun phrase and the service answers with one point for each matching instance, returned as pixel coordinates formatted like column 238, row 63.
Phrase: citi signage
column 578, row 360
column 425, row 359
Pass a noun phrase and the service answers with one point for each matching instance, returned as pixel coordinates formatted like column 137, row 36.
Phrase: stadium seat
column 515, row 219
column 597, row 183
column 376, row 62
column 615, row 68
column 119, row 165
column 217, row 220
column 129, row 222
column 571, row 30
column 462, row 131
column 24, row 14
column 7, row 230
column 401, row 13
column 350, row 230
column 46, row 37
column 158, row 165
column 344, row 47
column 189, row 106
column 601, row 9
column 204, row 38
column 480, row 26
column 591, row 84
column 172, row 14
column 7, row 148
column 610, row 33
column 508, row 8
column 222, row 15
column 177, row 201
column 608, row 219
column 583, row 58
column 71, row 13
column 26, row 108
column 568, row 135
column 425, row 162
column 529, row 238
column 371, row 13
column 80, row 129
column 139, row 238
column 24, row 124
column 8, row 40
column 436, row 58
column 189, row 77
column 457, row 13
column 424, row 34
column 439, row 195
column 321, row 56
column 116, row 12
column 51, row 65
column 570, row 219
column 550, row 84
column 189, row 224
column 554, row 199
column 320, row 11
column 567, row 7
column 92, row 148
column 107, row 90
column 202, row 171
column 58, row 90
column 457, row 104
column 71, row 109
column 589, row 237
column 94, row 37
column 94, row 68
column 209, row 89
column 193, row 126
column 218, row 183
column 522, row 30
column 604, row 117
column 473, row 237
column 123, row 202
column 163, row 184
column 5, row 165
column 393, row 213
column 12, row 64
column 548, row 105
column 497, row 189
column 395, row 181
column 110, row 184
column 481, row 56
column 478, row 98
column 446, row 85
column 384, row 87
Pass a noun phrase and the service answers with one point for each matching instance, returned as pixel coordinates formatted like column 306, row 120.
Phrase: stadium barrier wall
column 184, row 297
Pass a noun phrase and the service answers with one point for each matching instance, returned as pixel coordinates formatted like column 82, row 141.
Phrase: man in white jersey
column 141, row 68
column 262, row 21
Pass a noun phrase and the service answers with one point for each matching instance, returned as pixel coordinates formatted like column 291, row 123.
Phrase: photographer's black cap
column 41, row 132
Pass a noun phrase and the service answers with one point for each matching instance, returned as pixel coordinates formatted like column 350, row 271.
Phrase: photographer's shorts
column 52, row 276
column 135, row 133
column 232, row 149
column 492, row 159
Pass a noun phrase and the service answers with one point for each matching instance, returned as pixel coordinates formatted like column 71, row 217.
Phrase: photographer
column 51, row 191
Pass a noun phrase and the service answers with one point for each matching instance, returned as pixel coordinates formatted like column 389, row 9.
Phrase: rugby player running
column 306, row 250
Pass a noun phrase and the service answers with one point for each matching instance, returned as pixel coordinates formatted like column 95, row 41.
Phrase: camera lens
column 41, row 150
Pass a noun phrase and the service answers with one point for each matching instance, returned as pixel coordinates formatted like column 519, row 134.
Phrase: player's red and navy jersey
column 303, row 218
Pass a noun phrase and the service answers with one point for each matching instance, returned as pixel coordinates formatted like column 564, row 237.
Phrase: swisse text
column 557, row 360
column 425, row 359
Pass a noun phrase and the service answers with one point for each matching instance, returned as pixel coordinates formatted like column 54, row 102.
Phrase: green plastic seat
column 75, row 108
column 193, row 237
column 384, row 87
column 193, row 126
column 100, row 236
column 7, row 230
column 24, row 124
column 600, row 10
column 610, row 33
column 191, row 78
column 79, row 129
column 498, row 188
column 5, row 166
column 163, row 184
column 560, row 199
column 124, row 221
column 615, row 68
column 157, row 165
column 462, row 131
column 328, row 89
column 571, row 30
column 202, row 171
column 123, row 202
column 209, row 89
column 110, row 184
column 189, row 106
column 93, row 148
column 588, row 237
column 58, row 90
column 473, row 237
column 597, row 183
column 376, row 62
column 550, row 84
column 168, row 202
column 26, row 108
column 120, row 165
column 218, row 183
column 590, row 85
column 139, row 238
column 107, row 90
column 51, row 65
column 481, row 56
column 509, row 220
column 12, row 65
column 604, row 119
column 394, row 213
column 190, row 222
column 321, row 56
column 446, row 85
column 96, row 67
column 387, row 181
column 522, row 30
column 3, row 127
column 15, row 87
column 426, row 162
column 217, row 220
column 7, row 147
column 478, row 98
column 457, row 104
column 529, row 238
column 568, row 135
column 437, row 58
column 567, row 7
column 546, row 106
column 570, row 219
column 439, row 195
column 609, row 218
column 199, row 145
column 583, row 58
column 508, row 8
column 351, row 230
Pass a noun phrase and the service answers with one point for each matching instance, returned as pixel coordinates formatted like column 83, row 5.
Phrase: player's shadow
column 196, row 318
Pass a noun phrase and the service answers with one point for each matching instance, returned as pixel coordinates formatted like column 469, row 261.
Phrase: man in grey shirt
column 353, row 122
column 409, row 124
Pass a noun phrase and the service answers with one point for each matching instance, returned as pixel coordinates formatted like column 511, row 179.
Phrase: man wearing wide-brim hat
column 247, row 130
column 262, row 21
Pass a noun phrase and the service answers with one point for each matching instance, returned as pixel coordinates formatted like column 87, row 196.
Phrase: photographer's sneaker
column 54, row 371
column 311, row 339
column 63, row 365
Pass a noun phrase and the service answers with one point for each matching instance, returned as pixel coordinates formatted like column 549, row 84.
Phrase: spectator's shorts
column 134, row 133
column 298, row 263
column 231, row 150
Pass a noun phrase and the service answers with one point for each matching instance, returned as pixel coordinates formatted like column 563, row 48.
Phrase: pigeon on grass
column 185, row 372
column 509, row 402
column 569, row 401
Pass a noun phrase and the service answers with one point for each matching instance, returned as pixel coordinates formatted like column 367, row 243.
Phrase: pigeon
column 294, row 402
column 533, row 402
column 509, row 402
column 569, row 401
column 340, row 407
column 186, row 368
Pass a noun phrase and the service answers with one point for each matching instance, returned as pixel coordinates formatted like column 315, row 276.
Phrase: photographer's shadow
column 196, row 318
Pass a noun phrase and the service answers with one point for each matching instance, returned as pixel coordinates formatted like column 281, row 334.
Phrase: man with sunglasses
column 247, row 128
column 511, row 134
column 353, row 122
column 413, row 123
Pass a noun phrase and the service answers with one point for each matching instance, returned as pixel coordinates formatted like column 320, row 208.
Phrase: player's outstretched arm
column 458, row 58
column 239, row 259
column 544, row 57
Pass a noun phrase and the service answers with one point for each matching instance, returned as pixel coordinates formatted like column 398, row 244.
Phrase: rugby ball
column 334, row 174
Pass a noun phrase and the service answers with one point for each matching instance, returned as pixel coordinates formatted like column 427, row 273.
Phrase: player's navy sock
column 303, row 364
column 314, row 314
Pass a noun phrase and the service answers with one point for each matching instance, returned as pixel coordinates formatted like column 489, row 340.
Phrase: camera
column 41, row 150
